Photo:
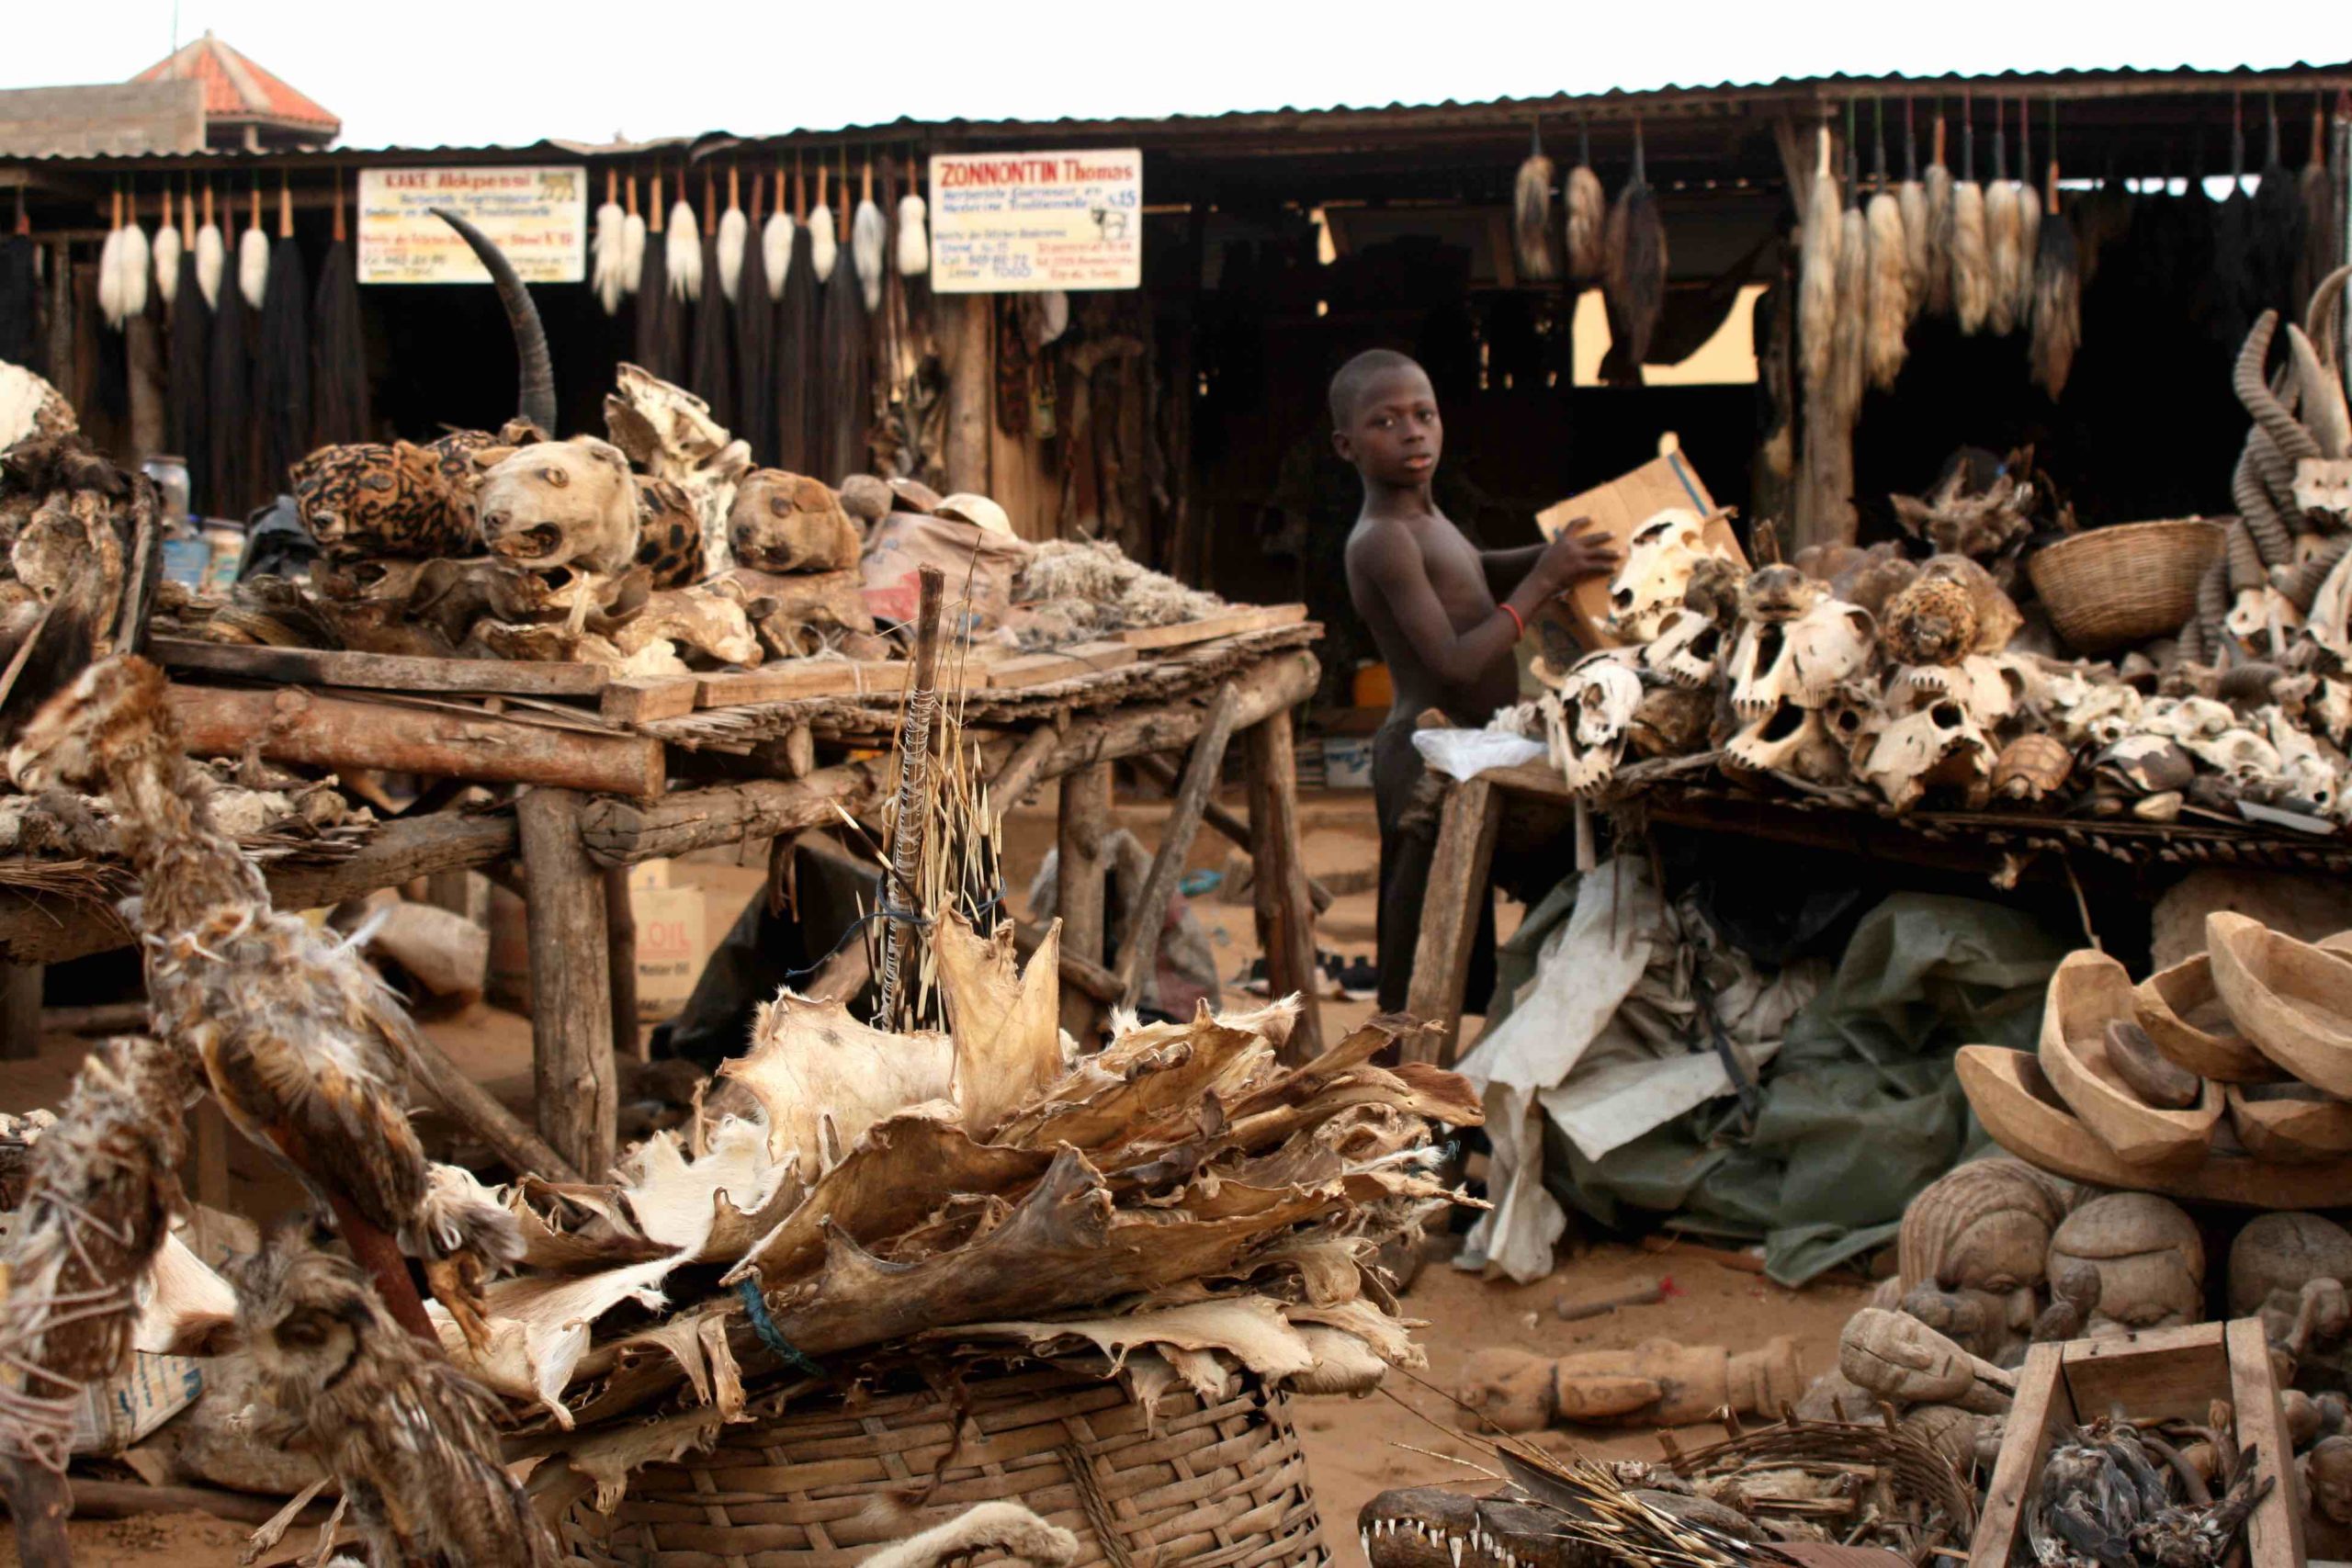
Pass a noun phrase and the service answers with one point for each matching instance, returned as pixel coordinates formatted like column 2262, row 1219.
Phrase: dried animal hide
column 1817, row 296
column 558, row 504
column 1532, row 217
column 782, row 522
column 668, row 433
column 1890, row 291
column 1635, row 262
column 824, row 1079
column 1004, row 1020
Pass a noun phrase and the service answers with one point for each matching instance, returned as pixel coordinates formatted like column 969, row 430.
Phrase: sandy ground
column 1355, row 1449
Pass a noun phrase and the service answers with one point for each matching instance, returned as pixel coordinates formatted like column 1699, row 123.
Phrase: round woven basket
column 2109, row 588
column 1199, row 1484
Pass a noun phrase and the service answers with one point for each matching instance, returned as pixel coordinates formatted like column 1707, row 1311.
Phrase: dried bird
column 683, row 249
column 1939, row 186
column 302, row 1045
column 1531, row 209
column 1587, row 209
column 2004, row 235
column 1890, row 290
column 2057, row 288
column 1817, row 267
column 734, row 232
column 867, row 233
column 1911, row 197
column 411, row 1440
column 2107, row 1495
column 775, row 241
column 609, row 272
column 211, row 255
column 1971, row 259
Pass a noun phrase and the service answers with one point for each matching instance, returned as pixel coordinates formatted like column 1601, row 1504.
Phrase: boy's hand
column 1573, row 556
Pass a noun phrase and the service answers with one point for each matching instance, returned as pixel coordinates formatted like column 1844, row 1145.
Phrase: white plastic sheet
column 1467, row 753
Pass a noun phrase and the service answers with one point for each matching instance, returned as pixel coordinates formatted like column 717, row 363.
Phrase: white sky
column 427, row 71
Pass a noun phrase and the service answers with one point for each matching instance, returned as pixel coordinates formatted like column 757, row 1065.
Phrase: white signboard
column 1014, row 222
column 539, row 217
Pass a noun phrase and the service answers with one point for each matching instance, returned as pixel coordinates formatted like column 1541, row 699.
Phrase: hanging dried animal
column 253, row 255
column 868, row 238
column 2010, row 265
column 608, row 273
column 2029, row 219
column 1890, row 288
column 1918, row 236
column 2057, row 286
column 1532, row 215
column 913, row 228
column 734, row 232
column 1939, row 192
column 682, row 248
column 1635, row 264
column 775, row 241
column 824, row 243
column 211, row 255
column 1817, row 269
column 1971, row 242
column 2277, row 226
column 1587, row 212
column 168, row 248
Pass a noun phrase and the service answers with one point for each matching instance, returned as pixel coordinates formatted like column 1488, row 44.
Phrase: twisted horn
column 2245, row 557
column 2324, row 414
column 2269, row 415
column 2320, row 317
column 2212, row 606
column 2263, row 523
column 2300, row 584
column 536, row 398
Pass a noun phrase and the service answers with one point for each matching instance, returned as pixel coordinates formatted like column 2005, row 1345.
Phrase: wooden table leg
column 572, row 989
column 1140, row 959
column 1278, row 884
column 620, row 946
column 19, row 1011
column 1081, row 866
column 1458, row 892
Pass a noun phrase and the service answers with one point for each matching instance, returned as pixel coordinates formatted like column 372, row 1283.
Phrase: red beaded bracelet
column 1515, row 619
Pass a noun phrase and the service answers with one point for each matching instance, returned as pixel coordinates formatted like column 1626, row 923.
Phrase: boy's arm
column 1392, row 563
column 1505, row 569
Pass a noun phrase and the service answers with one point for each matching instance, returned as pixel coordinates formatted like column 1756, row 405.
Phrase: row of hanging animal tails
column 787, row 307
column 2003, row 249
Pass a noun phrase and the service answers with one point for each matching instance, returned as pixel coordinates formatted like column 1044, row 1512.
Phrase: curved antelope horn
column 535, row 399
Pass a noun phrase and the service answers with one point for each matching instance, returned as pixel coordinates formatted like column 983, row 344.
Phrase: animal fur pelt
column 1817, row 269
column 734, row 234
column 169, row 243
column 282, row 364
column 2323, row 409
column 682, row 251
column 1635, row 262
column 2232, row 277
column 1911, row 197
column 607, row 275
column 110, row 278
column 1890, row 292
column 229, row 419
column 713, row 374
column 869, row 234
column 2004, row 236
column 211, row 255
column 843, row 389
column 2029, row 220
column 2057, row 298
column 1530, row 207
column 135, row 259
column 1939, row 192
column 253, row 258
column 824, row 239
column 187, row 382
column 1849, row 348
column 338, row 346
column 661, row 314
column 775, row 241
column 633, row 243
column 755, row 312
column 1588, row 213
column 20, row 295
column 795, row 349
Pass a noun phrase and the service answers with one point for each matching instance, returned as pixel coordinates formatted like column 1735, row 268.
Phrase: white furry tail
column 252, row 265
column 1972, row 260
column 1911, row 197
column 775, row 252
column 135, row 260
column 607, row 249
column 867, row 230
column 1817, row 300
column 211, row 261
column 167, row 264
column 2005, row 250
column 734, row 234
column 824, row 250
column 111, row 279
column 685, row 253
column 1007, row 1528
column 914, row 238
column 632, row 253
column 1890, row 300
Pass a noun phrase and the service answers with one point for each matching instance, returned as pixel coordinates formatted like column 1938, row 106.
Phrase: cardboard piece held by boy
column 1617, row 509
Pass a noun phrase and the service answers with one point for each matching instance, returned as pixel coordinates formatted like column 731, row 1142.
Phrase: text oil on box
column 1020, row 223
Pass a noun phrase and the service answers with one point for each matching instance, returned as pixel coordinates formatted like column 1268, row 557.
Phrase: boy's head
column 1384, row 418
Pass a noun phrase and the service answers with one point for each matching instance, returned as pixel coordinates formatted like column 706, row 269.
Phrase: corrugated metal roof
column 235, row 89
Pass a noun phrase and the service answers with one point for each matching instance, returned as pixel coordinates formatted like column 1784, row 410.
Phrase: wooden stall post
column 19, row 1011
column 1457, row 888
column 1278, row 884
column 1081, row 866
column 572, row 996
column 1140, row 957
column 620, row 943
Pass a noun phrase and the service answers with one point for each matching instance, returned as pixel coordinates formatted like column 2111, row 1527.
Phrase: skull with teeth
column 1659, row 558
column 1778, row 594
column 1938, row 745
column 2322, row 489
column 1586, row 718
column 1800, row 660
column 1789, row 740
column 1685, row 649
column 555, row 504
column 1991, row 686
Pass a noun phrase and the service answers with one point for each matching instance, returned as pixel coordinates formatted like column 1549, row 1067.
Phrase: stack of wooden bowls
column 2227, row 1076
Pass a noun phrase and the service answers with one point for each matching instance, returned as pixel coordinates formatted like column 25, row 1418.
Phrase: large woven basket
column 1198, row 1485
column 2109, row 588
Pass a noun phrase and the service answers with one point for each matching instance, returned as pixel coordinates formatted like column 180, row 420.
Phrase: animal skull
column 2096, row 712
column 1991, row 686
column 1586, row 719
column 1778, row 593
column 1800, row 660
column 783, row 522
column 2262, row 611
column 2186, row 718
column 558, row 504
column 1685, row 649
column 2322, row 490
column 1902, row 756
column 1658, row 560
column 1789, row 739
column 2242, row 756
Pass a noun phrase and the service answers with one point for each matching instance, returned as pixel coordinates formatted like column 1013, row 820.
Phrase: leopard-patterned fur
column 368, row 499
column 669, row 533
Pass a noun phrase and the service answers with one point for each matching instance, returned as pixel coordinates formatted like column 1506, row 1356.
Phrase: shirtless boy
column 1428, row 596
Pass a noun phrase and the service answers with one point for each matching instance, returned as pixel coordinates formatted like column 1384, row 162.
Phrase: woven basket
column 1202, row 1485
column 2109, row 588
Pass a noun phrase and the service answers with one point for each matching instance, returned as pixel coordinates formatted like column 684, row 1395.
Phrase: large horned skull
column 1586, row 719
column 1659, row 561
column 2322, row 490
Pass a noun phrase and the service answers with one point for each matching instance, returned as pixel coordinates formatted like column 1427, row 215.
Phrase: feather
column 734, row 234
column 609, row 249
column 824, row 250
column 1635, row 264
column 1532, row 217
column 1939, row 192
column 212, row 256
column 252, row 265
column 136, row 257
column 914, row 236
column 167, row 250
column 1817, row 269
column 1890, row 290
column 1850, row 347
column 109, row 279
column 775, row 246
column 2057, row 301
column 868, row 239
column 683, row 250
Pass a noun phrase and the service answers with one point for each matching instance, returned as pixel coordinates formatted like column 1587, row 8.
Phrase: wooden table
column 604, row 777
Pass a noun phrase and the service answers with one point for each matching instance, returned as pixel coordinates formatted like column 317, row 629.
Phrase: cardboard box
column 1618, row 509
column 146, row 1395
column 672, row 944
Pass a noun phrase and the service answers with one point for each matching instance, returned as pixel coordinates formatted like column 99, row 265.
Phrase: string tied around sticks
column 755, row 1307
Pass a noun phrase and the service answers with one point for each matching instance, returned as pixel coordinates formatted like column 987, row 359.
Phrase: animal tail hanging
column 2028, row 217
column 109, row 279
column 253, row 256
column 167, row 254
column 824, row 243
column 2057, row 286
column 775, row 241
column 914, row 235
column 869, row 232
column 1588, row 209
column 632, row 242
column 2324, row 214
column 136, row 258
column 211, row 255
column 681, row 247
column 1918, row 236
column 1940, row 191
column 1971, row 244
column 535, row 398
column 2003, row 230
column 1890, row 294
column 608, row 274
column 1817, row 267
column 734, row 234
column 1531, row 214
column 1849, row 348
column 1634, row 280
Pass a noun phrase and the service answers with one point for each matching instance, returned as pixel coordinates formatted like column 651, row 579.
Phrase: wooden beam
column 572, row 996
column 1019, row 775
column 1139, row 957
column 792, row 678
column 20, row 1015
column 1256, row 619
column 476, row 1109
column 51, row 930
column 1457, row 888
column 620, row 928
column 622, row 832
column 378, row 671
column 1081, row 866
column 105, row 1018
column 291, row 724
column 1070, row 663
column 635, row 702
column 1163, row 771
column 1278, row 884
